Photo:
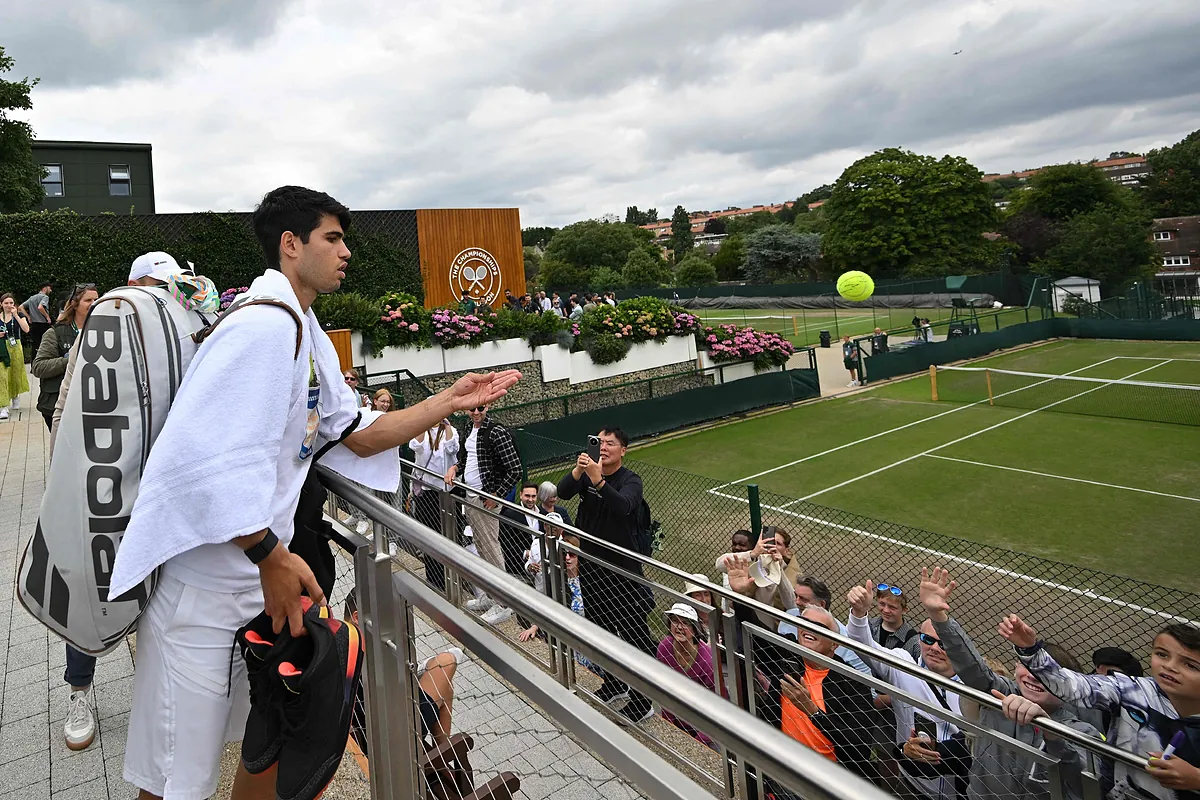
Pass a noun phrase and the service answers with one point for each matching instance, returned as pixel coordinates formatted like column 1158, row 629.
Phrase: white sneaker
column 80, row 727
column 363, row 526
column 497, row 614
column 479, row 604
column 16, row 403
column 4, row 413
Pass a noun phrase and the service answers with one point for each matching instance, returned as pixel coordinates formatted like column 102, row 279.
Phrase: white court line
column 893, row 430
column 977, row 564
column 1157, row 358
column 971, row 435
column 1066, row 478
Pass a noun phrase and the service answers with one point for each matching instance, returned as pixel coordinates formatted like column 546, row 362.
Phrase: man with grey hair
column 822, row 708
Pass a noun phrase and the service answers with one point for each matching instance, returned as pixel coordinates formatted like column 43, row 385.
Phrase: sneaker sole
column 76, row 746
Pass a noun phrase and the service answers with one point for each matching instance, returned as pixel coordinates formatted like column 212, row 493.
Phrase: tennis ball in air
column 855, row 286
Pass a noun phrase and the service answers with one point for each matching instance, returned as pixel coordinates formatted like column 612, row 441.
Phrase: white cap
column 554, row 516
column 684, row 612
column 157, row 265
column 689, row 587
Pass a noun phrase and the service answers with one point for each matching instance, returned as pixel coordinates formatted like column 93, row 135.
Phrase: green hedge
column 64, row 248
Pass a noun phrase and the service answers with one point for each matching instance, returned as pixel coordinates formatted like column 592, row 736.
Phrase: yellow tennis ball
column 855, row 286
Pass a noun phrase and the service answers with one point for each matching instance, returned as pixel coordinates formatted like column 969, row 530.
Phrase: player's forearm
column 396, row 428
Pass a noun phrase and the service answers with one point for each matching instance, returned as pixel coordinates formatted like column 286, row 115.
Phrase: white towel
column 212, row 473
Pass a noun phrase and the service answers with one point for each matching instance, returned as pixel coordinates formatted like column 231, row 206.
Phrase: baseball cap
column 690, row 586
column 1121, row 659
column 766, row 572
column 554, row 516
column 684, row 612
column 156, row 264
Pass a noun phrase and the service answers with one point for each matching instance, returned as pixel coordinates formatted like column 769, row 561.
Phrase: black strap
column 325, row 448
column 940, row 695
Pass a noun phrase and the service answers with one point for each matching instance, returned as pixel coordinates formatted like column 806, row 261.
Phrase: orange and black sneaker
column 262, row 649
column 319, row 684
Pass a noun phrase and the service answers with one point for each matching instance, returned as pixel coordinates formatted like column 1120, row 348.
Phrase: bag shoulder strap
column 199, row 336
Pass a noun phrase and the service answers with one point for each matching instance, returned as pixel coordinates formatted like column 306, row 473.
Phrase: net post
column 987, row 374
column 755, row 510
column 933, row 382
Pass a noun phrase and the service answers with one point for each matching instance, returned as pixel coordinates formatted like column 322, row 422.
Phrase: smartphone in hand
column 926, row 728
column 593, row 448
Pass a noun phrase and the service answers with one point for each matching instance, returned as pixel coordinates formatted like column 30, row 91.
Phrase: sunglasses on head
column 883, row 587
column 930, row 641
column 80, row 288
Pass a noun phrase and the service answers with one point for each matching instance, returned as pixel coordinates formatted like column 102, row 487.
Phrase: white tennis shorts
column 184, row 709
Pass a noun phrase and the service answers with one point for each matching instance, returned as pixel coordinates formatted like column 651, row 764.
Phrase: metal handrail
column 982, row 698
column 753, row 739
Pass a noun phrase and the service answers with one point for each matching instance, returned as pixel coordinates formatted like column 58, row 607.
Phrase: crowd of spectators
column 911, row 732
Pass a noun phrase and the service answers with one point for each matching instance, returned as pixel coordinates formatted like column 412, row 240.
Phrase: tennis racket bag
column 134, row 350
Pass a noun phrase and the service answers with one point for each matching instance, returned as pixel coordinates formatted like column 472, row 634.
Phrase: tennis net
column 1172, row 403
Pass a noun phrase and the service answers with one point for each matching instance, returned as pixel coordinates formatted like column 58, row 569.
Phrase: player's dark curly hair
column 294, row 209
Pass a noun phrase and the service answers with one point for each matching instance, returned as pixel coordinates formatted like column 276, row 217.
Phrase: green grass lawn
column 803, row 326
column 1064, row 486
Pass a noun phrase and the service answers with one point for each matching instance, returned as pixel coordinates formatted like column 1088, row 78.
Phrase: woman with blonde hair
column 50, row 362
column 436, row 450
column 382, row 401
column 13, row 328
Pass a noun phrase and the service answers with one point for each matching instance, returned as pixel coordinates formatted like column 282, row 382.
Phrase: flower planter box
column 724, row 371
column 647, row 355
column 556, row 362
column 420, row 362
column 488, row 354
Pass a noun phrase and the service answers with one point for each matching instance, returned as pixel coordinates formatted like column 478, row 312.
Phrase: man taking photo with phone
column 610, row 509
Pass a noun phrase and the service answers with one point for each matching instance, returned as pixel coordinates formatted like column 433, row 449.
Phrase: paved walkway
column 509, row 733
column 36, row 762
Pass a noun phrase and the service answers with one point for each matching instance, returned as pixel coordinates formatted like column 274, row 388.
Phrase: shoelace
column 80, row 709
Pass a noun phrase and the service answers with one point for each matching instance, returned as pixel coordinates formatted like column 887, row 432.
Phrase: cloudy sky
column 570, row 109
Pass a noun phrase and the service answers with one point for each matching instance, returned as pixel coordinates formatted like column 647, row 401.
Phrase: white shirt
column 438, row 461
column 545, row 304
column 860, row 630
column 473, row 477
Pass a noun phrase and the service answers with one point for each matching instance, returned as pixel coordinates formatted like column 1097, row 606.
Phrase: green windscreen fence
column 919, row 357
column 567, row 436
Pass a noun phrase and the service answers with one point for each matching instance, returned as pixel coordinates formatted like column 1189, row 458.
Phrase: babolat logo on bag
column 134, row 349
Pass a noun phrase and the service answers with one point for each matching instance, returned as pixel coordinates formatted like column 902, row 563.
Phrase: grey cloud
column 675, row 44
column 97, row 42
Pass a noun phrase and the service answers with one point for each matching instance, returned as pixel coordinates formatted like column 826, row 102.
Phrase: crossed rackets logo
column 476, row 272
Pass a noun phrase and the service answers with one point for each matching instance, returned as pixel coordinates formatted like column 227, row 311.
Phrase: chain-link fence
column 1081, row 609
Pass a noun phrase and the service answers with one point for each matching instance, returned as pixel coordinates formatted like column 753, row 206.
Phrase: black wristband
column 263, row 549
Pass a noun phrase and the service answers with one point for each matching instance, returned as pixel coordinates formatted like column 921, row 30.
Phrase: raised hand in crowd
column 1017, row 631
column 584, row 465
column 936, row 588
column 860, row 597
column 739, row 577
column 920, row 748
column 798, row 693
column 1019, row 709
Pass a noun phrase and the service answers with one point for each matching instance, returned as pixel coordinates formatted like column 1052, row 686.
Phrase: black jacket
column 610, row 514
column 849, row 717
column 50, row 364
column 499, row 462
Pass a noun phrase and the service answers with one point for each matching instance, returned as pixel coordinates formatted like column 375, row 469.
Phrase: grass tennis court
column 1111, row 493
column 803, row 326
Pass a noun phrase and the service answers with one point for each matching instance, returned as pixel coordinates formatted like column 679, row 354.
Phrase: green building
column 97, row 177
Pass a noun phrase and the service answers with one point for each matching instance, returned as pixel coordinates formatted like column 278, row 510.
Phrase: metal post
column 729, row 640
column 755, row 510
column 386, row 623
column 987, row 374
column 449, row 528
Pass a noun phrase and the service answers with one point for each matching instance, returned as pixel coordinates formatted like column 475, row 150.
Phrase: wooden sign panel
column 473, row 250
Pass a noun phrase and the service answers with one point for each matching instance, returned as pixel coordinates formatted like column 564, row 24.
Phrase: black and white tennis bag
column 134, row 350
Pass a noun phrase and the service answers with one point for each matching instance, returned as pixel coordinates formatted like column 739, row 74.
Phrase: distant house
column 662, row 228
column 96, row 177
column 1178, row 243
column 1126, row 171
column 1075, row 287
